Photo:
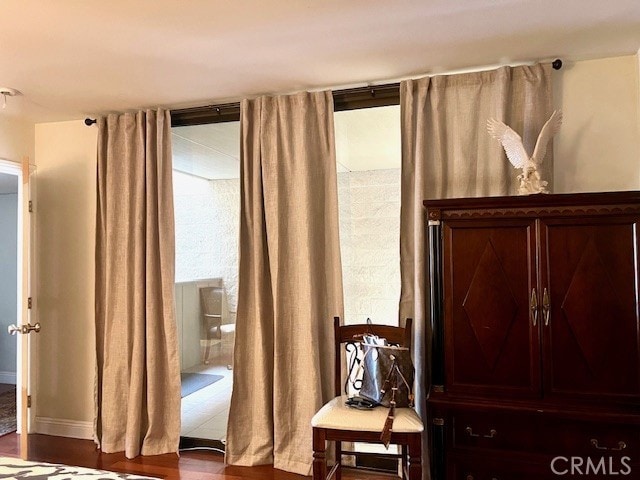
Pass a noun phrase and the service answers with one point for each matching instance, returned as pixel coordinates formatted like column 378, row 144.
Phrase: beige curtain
column 138, row 372
column 290, row 281
column 446, row 152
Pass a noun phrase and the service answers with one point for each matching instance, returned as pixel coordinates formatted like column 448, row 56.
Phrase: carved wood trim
column 553, row 201
column 433, row 216
column 540, row 212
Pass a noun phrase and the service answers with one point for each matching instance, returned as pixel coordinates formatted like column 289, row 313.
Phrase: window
column 368, row 156
column 207, row 201
column 206, row 181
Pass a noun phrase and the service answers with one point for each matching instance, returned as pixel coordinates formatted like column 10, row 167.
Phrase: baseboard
column 8, row 377
column 63, row 428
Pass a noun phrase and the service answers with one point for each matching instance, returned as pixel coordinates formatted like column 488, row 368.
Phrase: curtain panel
column 290, row 279
column 137, row 389
column 447, row 152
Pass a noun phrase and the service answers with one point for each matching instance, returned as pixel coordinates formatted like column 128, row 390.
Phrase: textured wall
column 369, row 237
column 8, row 281
column 207, row 222
column 207, row 216
column 195, row 218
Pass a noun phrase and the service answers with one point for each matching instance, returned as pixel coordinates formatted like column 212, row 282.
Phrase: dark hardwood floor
column 189, row 466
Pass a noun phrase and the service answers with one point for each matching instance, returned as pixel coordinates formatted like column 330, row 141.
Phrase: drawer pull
column 621, row 446
column 469, row 431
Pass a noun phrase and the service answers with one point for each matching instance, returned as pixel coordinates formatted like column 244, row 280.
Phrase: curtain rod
column 345, row 99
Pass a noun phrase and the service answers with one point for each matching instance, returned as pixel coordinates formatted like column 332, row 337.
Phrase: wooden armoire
column 536, row 336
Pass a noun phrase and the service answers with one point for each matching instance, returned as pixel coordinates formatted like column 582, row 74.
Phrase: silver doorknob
column 24, row 329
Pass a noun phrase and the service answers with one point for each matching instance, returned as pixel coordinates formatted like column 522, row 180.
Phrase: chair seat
column 337, row 416
column 228, row 328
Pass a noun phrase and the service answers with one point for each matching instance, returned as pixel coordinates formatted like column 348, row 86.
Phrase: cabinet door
column 492, row 346
column 590, row 342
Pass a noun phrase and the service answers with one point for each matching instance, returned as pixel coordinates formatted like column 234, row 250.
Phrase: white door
column 26, row 310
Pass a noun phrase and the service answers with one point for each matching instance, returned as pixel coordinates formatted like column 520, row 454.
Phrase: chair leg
column 339, row 461
column 319, row 454
column 415, row 456
column 405, row 455
column 207, row 352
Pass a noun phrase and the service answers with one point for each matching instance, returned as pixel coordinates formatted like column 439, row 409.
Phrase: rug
column 192, row 382
column 8, row 412
column 14, row 468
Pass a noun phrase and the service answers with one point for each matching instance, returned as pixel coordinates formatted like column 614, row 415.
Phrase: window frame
column 349, row 99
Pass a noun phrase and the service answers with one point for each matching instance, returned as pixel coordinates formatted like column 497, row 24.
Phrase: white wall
column 598, row 147
column 207, row 214
column 8, row 284
column 369, row 204
column 65, row 231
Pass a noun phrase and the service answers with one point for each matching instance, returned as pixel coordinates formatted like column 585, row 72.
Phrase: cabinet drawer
column 543, row 434
column 494, row 431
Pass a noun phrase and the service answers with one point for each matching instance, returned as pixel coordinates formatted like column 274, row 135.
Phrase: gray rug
column 7, row 412
column 192, row 382
column 12, row 468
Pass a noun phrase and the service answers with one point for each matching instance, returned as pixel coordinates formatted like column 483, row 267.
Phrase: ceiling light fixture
column 8, row 92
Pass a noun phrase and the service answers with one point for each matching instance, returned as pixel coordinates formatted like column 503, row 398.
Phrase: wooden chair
column 211, row 318
column 338, row 423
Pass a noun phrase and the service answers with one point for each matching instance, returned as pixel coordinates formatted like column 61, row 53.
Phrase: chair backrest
column 344, row 334
column 211, row 300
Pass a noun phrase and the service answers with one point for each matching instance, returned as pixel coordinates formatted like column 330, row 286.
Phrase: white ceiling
column 367, row 139
column 210, row 151
column 72, row 58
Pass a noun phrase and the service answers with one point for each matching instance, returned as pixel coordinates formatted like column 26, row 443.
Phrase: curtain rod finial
column 89, row 121
column 556, row 64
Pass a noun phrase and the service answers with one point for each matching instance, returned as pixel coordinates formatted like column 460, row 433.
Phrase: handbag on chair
column 342, row 421
column 387, row 379
column 387, row 375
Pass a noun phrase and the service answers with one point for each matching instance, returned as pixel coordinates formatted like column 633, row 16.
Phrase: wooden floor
column 190, row 465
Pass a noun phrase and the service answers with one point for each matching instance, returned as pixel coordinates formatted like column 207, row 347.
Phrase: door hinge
column 29, row 303
column 30, row 206
column 28, row 401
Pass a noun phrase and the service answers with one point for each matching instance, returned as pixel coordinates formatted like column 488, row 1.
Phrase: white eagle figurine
column 530, row 181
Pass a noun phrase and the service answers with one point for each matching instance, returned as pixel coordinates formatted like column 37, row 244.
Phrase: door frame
column 25, row 285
